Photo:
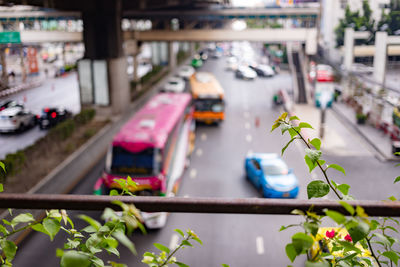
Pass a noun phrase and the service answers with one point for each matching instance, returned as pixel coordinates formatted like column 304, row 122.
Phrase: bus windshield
column 129, row 163
column 215, row 105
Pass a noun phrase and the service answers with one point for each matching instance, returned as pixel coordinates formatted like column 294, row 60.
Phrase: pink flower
column 348, row 238
column 330, row 234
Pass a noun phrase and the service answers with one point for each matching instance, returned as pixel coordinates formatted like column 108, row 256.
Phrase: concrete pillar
column 163, row 46
column 380, row 57
column 4, row 74
column 135, row 68
column 171, row 55
column 348, row 48
column 155, row 54
column 104, row 56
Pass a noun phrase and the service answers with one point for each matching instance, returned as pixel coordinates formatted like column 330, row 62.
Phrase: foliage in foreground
column 355, row 249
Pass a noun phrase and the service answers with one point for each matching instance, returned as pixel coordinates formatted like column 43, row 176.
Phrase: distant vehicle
column 323, row 243
column 186, row 71
column 174, row 85
column 9, row 104
column 52, row 116
column 215, row 54
column 152, row 148
column 208, row 98
column 263, row 70
column 15, row 119
column 270, row 174
column 203, row 55
column 246, row 73
column 359, row 68
column 232, row 63
column 196, row 62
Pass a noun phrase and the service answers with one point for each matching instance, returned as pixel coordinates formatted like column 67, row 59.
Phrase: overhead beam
column 50, row 36
column 255, row 35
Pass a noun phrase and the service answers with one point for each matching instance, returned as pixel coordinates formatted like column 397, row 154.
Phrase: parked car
column 203, row 55
column 51, row 116
column 263, row 70
column 244, row 72
column 185, row 72
column 174, row 85
column 196, row 62
column 270, row 174
column 9, row 104
column 15, row 119
column 232, row 63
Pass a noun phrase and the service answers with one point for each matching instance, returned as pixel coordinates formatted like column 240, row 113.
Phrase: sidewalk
column 336, row 138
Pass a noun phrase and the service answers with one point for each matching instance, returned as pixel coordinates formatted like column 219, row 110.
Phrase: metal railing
column 193, row 205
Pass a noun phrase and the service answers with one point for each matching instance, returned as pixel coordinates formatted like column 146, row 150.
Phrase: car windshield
column 126, row 162
column 215, row 105
column 276, row 168
column 173, row 83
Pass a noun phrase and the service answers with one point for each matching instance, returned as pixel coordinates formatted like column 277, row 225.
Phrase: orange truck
column 208, row 98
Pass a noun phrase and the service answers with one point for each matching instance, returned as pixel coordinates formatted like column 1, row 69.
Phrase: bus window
column 128, row 163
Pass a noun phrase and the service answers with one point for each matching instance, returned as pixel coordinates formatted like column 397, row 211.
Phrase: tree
column 391, row 22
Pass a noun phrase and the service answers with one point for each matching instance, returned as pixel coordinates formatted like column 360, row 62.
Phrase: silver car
column 16, row 119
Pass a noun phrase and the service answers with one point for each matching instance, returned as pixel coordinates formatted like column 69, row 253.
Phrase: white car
column 174, row 85
column 246, row 73
column 263, row 70
column 16, row 119
column 185, row 72
column 232, row 63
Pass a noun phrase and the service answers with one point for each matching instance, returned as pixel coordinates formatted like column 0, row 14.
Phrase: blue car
column 270, row 174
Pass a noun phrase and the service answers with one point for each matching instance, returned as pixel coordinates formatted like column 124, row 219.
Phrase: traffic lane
column 63, row 92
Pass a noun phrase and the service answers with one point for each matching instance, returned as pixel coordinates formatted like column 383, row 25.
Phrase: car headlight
column 217, row 108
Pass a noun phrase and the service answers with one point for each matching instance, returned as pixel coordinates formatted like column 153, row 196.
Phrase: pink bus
column 152, row 148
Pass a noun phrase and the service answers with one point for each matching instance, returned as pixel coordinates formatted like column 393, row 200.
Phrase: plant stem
column 372, row 251
column 22, row 228
column 319, row 165
column 174, row 251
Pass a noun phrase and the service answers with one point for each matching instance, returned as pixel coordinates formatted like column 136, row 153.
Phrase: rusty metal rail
column 191, row 205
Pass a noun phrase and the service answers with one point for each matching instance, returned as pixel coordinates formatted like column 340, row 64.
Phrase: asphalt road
column 63, row 92
column 217, row 170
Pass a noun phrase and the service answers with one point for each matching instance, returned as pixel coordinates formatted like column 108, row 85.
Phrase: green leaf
column 292, row 132
column 179, row 231
column 285, row 127
column 292, row 118
column 39, row 228
column 317, row 264
column 180, row 264
column 1, row 188
column 360, row 212
column 95, row 224
column 161, row 247
column 305, row 125
column 283, row 116
column 397, row 179
column 382, row 238
column 311, row 165
column 348, row 246
column 291, row 252
column 358, row 231
column 3, row 230
column 283, row 227
column 3, row 166
column 276, row 125
column 311, row 227
column 198, row 240
column 22, row 218
column 97, row 262
column 392, row 198
column 74, row 258
column 314, row 155
column 391, row 256
column 317, row 189
column 301, row 242
column 121, row 237
column 316, row 143
column 297, row 212
column 347, row 206
column 284, row 148
column 336, row 167
column 114, row 192
column 9, row 249
column 52, row 226
column 186, row 243
column 344, row 188
column 336, row 216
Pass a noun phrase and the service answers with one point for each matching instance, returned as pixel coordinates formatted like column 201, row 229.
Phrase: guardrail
column 193, row 205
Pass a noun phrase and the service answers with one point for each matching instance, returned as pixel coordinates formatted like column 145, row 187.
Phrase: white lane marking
column 203, row 137
column 249, row 138
column 247, row 125
column 199, row 152
column 174, row 241
column 193, row 173
column 246, row 114
column 260, row 245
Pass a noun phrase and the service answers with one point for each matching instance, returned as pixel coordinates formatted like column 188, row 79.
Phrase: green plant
column 85, row 116
column 89, row 133
column 363, row 231
column 12, row 163
column 63, row 130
